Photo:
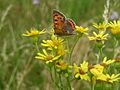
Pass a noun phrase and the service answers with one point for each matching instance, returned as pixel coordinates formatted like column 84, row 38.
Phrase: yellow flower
column 84, row 66
column 100, row 26
column 97, row 70
column 101, row 36
column 107, row 62
column 46, row 57
column 81, row 29
column 101, row 77
column 61, row 65
column 109, row 78
column 112, row 78
column 115, row 27
column 83, row 76
column 55, row 42
column 33, row 32
column 61, row 51
column 81, row 71
column 76, row 69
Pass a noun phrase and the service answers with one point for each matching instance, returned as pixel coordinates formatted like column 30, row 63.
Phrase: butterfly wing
column 58, row 20
column 69, row 26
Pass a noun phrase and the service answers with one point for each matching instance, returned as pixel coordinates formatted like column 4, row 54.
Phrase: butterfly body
column 62, row 25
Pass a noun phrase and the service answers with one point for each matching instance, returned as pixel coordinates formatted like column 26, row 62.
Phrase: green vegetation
column 18, row 68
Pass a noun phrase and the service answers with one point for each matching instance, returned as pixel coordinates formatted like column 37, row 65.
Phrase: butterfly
column 62, row 25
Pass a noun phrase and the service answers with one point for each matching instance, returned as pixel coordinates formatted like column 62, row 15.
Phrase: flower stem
column 36, row 44
column 51, row 74
column 76, row 40
column 56, row 79
column 100, row 54
column 56, row 85
column 68, row 82
column 92, row 86
column 61, row 81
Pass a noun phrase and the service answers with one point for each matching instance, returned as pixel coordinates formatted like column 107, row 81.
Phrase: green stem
column 55, row 72
column 51, row 74
column 61, row 82
column 100, row 55
column 76, row 40
column 69, row 85
column 56, row 79
column 36, row 44
column 56, row 85
column 92, row 86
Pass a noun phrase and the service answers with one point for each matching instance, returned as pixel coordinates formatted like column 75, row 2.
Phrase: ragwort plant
column 64, row 72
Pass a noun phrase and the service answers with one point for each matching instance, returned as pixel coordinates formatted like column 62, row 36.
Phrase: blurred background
column 18, row 69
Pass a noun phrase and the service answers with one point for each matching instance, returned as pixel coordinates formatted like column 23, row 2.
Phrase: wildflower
column 81, row 29
column 108, row 78
column 47, row 57
column 84, row 66
column 61, row 51
column 81, row 71
column 100, row 26
column 112, row 78
column 97, row 70
column 55, row 42
column 107, row 62
column 115, row 27
column 101, row 36
column 33, row 32
column 61, row 65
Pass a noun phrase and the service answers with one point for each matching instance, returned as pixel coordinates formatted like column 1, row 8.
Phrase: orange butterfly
column 62, row 25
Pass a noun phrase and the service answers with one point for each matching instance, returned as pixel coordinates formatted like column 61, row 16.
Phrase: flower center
column 81, row 72
column 108, row 79
column 49, row 57
column 56, row 42
column 99, row 38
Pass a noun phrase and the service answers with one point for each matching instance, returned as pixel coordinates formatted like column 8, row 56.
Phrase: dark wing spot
column 55, row 20
column 59, row 18
column 56, row 23
column 56, row 15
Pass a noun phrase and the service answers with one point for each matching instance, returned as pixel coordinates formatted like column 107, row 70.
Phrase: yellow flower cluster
column 53, row 51
column 102, row 27
column 85, row 71
column 54, row 47
column 113, row 25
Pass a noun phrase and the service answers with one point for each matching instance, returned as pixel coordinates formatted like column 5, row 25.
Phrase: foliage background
column 18, row 68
